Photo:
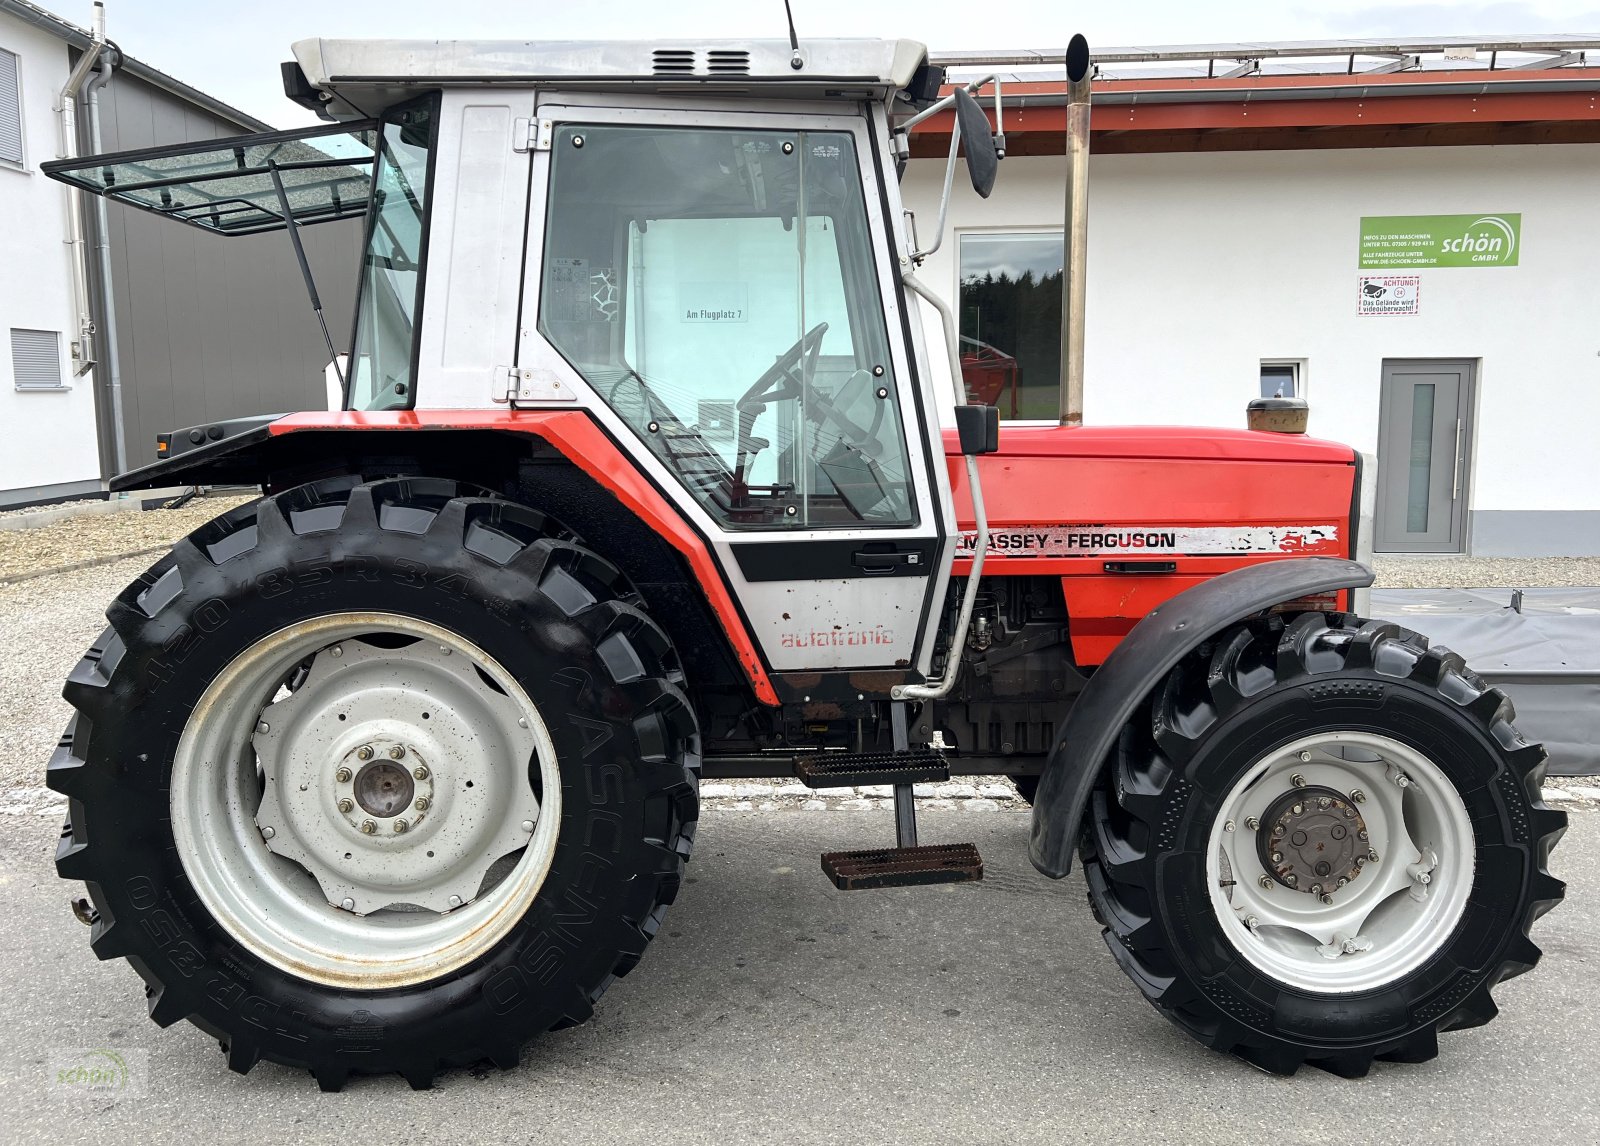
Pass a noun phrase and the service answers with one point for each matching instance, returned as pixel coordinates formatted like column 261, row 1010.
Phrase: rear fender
column 483, row 446
column 1144, row 658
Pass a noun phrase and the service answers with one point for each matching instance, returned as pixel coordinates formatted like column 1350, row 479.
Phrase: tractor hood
column 1051, row 441
column 1130, row 516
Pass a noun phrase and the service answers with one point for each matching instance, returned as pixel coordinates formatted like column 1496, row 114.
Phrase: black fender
column 1140, row 662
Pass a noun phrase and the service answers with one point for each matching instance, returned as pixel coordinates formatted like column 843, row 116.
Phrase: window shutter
column 10, row 110
column 36, row 359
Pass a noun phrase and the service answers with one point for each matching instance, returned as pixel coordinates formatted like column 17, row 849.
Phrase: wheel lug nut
column 268, row 833
column 1266, row 883
column 1362, row 834
column 1305, row 758
column 1228, row 827
column 1327, row 899
column 1297, row 780
column 455, row 901
column 368, row 827
column 1372, row 856
column 336, row 651
column 346, row 804
column 1253, row 824
column 263, row 727
column 527, row 825
column 400, row 826
column 1358, row 796
column 1277, row 857
column 364, row 752
column 1343, row 881
column 422, row 804
column 348, row 904
column 1298, row 808
column 1292, row 880
column 342, row 774
column 420, row 772
column 398, row 752
column 1323, row 802
column 1316, row 889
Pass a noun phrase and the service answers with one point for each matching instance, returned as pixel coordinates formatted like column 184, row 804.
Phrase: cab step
column 843, row 770
column 903, row 867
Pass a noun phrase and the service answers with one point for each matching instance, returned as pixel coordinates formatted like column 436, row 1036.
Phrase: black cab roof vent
column 727, row 62
column 673, row 61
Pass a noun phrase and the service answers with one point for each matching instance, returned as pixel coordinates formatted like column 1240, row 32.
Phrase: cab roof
column 360, row 78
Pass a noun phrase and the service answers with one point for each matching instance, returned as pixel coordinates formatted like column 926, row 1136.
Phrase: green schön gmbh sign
column 1440, row 240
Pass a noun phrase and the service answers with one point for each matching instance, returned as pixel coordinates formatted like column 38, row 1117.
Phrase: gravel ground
column 1411, row 572
column 51, row 621
column 42, row 508
column 26, row 553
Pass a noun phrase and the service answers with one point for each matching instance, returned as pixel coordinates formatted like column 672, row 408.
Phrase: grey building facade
column 191, row 327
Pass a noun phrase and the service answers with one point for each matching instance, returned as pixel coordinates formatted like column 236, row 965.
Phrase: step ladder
column 908, row 864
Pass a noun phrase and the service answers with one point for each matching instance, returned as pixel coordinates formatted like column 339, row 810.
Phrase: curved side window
column 717, row 289
column 387, row 307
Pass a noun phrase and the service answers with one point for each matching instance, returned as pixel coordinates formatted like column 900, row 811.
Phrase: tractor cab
column 700, row 246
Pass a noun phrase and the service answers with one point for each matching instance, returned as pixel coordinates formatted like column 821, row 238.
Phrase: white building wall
column 47, row 438
column 1202, row 265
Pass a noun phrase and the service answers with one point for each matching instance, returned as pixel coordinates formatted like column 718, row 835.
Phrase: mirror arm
column 943, row 104
column 944, row 199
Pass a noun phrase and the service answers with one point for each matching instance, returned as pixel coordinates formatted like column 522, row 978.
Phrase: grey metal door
column 1424, row 442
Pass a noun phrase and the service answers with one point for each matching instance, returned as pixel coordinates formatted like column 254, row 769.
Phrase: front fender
column 1142, row 659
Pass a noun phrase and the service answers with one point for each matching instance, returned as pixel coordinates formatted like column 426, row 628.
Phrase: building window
column 36, row 359
column 1282, row 380
column 1011, row 321
column 10, row 110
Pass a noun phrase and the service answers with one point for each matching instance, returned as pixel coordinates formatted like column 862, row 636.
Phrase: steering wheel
column 784, row 380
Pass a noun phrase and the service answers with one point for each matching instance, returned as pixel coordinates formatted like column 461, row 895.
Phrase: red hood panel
column 1023, row 441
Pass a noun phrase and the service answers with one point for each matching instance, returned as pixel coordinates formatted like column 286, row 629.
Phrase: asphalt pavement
column 772, row 1008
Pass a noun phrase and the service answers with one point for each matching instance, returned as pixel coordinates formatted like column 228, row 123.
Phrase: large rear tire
column 1322, row 841
column 378, row 777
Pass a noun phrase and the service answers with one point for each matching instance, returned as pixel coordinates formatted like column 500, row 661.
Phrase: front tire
column 378, row 777
column 1322, row 841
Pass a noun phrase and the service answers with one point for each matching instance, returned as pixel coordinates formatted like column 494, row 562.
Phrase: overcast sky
column 233, row 51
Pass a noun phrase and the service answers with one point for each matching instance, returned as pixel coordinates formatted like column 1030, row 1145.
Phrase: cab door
column 716, row 288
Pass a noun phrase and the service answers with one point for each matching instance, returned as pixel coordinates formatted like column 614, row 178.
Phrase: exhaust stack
column 1076, row 235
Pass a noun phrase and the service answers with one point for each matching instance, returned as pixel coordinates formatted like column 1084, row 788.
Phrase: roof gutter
column 1310, row 49
column 66, row 109
column 1107, row 95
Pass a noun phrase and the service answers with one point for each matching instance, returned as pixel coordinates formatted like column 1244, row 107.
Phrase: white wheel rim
column 372, row 847
column 1392, row 916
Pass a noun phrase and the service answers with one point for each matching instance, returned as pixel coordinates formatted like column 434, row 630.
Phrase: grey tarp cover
column 1546, row 658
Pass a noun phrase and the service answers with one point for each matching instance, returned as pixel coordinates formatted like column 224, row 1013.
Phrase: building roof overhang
column 1407, row 103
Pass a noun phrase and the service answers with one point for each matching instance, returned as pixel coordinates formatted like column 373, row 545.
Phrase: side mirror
column 983, row 162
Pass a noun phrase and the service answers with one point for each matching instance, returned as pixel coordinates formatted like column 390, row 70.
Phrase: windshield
column 391, row 265
column 717, row 288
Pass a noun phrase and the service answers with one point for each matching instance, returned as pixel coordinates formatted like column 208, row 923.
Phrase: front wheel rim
column 1276, row 859
column 285, row 811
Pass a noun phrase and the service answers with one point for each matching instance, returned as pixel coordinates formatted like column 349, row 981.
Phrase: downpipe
column 103, row 252
column 66, row 109
column 934, row 690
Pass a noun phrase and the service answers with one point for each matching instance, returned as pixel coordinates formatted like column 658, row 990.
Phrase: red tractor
column 640, row 477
